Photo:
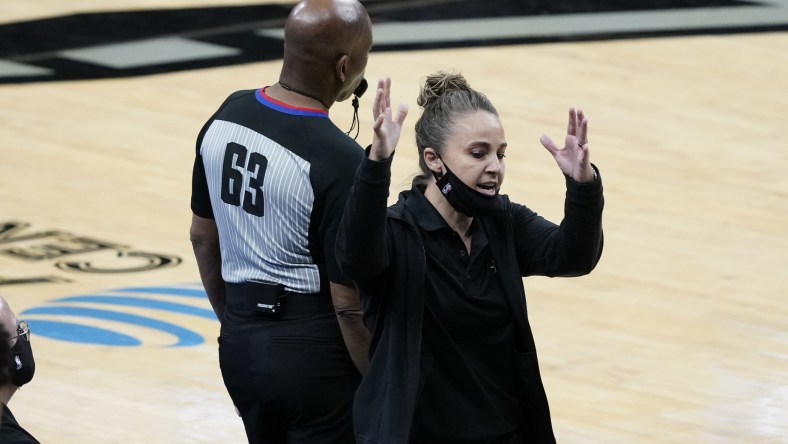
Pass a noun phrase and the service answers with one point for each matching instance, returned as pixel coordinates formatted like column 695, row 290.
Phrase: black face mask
column 465, row 199
column 22, row 365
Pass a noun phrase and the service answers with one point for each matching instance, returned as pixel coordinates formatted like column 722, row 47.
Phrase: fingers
column 382, row 97
column 386, row 127
column 582, row 130
column 578, row 125
column 378, row 123
column 548, row 143
column 388, row 92
column 378, row 104
column 572, row 125
column 382, row 105
column 402, row 112
column 582, row 136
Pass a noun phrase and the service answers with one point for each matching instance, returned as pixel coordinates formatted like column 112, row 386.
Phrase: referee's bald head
column 325, row 38
column 318, row 28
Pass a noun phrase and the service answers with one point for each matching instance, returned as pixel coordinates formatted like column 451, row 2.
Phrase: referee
column 270, row 180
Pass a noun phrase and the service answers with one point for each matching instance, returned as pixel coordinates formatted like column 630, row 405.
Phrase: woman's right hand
column 387, row 130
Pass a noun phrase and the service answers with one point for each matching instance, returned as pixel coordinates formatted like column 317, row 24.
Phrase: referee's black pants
column 290, row 376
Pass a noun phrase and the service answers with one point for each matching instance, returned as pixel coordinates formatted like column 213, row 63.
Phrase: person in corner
column 17, row 367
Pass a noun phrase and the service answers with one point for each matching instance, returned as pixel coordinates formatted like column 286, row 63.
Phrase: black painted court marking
column 132, row 43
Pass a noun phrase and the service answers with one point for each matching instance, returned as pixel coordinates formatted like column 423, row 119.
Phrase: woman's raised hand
column 573, row 158
column 387, row 130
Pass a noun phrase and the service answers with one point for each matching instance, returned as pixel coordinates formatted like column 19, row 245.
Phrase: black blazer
column 10, row 430
column 381, row 250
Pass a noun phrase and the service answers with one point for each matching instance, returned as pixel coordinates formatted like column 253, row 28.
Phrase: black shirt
column 11, row 432
column 467, row 335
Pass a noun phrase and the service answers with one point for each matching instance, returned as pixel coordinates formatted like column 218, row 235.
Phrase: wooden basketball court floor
column 679, row 336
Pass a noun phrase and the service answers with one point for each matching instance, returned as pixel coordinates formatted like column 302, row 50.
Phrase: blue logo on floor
column 70, row 318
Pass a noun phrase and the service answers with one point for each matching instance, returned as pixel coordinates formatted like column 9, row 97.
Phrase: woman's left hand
column 573, row 158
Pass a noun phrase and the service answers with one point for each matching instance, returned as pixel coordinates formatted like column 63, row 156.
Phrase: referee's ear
column 341, row 68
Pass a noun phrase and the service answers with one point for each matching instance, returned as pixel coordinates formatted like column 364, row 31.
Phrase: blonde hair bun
column 440, row 83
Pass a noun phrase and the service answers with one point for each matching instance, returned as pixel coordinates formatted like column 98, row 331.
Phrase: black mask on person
column 465, row 199
column 22, row 365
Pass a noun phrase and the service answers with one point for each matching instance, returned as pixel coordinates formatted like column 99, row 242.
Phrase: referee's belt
column 272, row 299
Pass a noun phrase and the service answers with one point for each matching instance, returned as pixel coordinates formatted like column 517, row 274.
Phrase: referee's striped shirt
column 275, row 179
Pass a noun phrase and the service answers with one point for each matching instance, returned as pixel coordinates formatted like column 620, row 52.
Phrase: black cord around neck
column 355, row 123
column 289, row 88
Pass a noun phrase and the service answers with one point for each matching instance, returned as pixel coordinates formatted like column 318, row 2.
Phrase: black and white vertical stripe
column 274, row 247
